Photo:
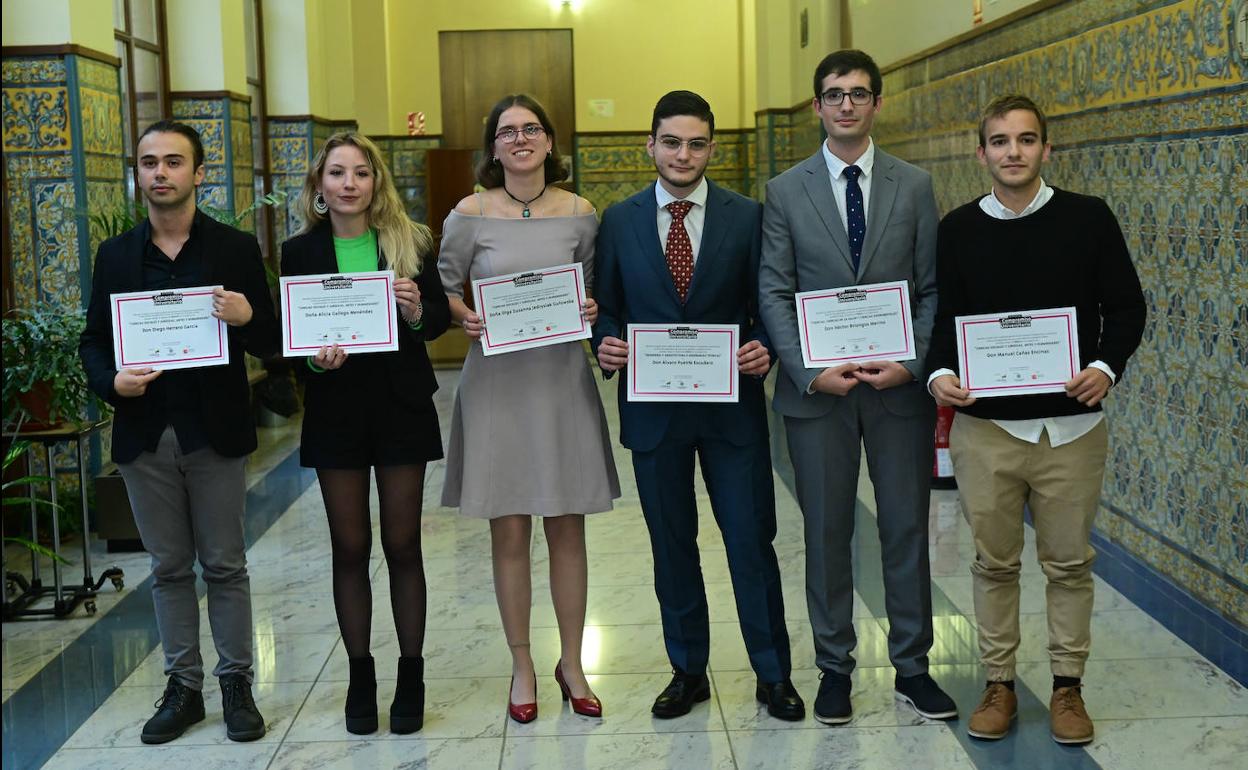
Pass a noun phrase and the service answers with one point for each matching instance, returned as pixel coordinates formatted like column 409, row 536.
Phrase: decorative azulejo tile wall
column 406, row 158
column 223, row 121
column 62, row 155
column 784, row 138
column 1148, row 107
column 611, row 167
column 293, row 144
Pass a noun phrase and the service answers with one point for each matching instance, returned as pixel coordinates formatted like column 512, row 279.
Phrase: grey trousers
column 826, row 453
column 188, row 505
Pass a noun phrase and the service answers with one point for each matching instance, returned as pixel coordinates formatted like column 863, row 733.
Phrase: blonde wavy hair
column 404, row 242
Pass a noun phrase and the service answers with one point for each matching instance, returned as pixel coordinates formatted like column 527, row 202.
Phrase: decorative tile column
column 63, row 163
column 223, row 120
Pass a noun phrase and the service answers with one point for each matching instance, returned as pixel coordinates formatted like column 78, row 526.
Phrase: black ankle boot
column 362, row 697
column 407, row 713
column 179, row 708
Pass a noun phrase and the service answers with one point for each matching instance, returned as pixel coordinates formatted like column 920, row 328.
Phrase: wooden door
column 480, row 67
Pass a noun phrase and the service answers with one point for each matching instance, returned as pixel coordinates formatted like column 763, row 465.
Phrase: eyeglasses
column 530, row 131
column 835, row 97
column 696, row 146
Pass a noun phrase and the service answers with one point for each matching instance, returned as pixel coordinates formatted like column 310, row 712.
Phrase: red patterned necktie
column 679, row 250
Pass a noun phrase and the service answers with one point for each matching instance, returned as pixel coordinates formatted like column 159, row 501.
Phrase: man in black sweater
column 1029, row 246
column 181, row 438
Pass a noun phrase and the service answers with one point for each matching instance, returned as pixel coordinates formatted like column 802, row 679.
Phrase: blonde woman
column 529, row 436
column 372, row 411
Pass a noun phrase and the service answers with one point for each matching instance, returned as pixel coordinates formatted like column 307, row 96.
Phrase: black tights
column 401, row 490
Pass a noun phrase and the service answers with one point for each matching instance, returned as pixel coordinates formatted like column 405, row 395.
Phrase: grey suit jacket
column 805, row 248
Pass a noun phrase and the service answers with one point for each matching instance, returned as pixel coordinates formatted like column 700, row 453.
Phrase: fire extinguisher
column 942, row 468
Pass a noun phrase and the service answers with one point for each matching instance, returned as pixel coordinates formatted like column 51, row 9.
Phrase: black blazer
column 232, row 259
column 404, row 376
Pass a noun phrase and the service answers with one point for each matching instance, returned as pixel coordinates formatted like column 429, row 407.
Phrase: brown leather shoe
column 1068, row 719
column 997, row 709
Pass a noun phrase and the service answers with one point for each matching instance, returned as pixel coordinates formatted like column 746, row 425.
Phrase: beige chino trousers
column 997, row 475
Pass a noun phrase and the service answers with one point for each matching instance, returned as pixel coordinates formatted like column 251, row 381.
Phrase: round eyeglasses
column 530, row 131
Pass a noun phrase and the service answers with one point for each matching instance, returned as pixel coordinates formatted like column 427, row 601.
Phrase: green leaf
column 42, row 550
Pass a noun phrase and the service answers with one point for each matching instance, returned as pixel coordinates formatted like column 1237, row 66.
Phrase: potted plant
column 44, row 383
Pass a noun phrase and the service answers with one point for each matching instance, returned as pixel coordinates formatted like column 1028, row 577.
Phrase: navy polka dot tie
column 679, row 250
column 855, row 217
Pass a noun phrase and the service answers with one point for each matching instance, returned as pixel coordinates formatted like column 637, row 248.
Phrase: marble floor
column 77, row 691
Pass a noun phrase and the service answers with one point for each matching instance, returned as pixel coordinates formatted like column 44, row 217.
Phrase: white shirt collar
column 991, row 205
column 697, row 197
column 836, row 166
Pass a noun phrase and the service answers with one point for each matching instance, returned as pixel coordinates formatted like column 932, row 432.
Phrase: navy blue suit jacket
column 634, row 285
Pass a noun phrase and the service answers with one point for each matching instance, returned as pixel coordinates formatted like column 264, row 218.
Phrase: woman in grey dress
column 528, row 435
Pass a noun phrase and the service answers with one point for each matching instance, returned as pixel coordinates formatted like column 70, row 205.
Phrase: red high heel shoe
column 521, row 712
column 586, row 707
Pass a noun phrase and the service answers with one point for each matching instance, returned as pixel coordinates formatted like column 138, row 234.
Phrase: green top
column 357, row 255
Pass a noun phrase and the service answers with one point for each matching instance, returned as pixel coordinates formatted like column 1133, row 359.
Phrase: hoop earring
column 319, row 205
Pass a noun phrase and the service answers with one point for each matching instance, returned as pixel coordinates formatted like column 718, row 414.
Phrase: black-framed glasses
column 696, row 147
column 835, row 97
column 530, row 131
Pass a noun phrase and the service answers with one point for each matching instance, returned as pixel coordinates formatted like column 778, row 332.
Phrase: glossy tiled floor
column 1157, row 702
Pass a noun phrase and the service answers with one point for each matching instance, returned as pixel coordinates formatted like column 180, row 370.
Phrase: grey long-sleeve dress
column 528, row 435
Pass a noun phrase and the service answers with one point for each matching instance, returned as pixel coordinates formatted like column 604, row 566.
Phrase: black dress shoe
column 681, row 693
column 242, row 719
column 782, row 700
column 179, row 708
column 832, row 705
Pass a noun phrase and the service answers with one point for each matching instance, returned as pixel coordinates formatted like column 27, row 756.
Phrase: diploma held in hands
column 1013, row 354
column 531, row 309
column 167, row 329
column 871, row 322
column 356, row 312
column 669, row 362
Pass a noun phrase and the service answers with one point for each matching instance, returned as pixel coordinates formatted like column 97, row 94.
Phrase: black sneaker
column 179, row 708
column 925, row 696
column 242, row 719
column 832, row 703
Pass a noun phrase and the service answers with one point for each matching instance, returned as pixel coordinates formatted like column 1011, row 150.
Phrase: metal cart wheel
column 89, row 606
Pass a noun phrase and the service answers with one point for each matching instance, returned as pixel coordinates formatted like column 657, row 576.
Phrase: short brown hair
column 489, row 172
column 1008, row 103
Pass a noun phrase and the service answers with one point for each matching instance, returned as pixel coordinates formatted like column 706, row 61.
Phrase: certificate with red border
column 674, row 362
column 1018, row 353
column 871, row 322
column 167, row 329
column 355, row 311
column 532, row 309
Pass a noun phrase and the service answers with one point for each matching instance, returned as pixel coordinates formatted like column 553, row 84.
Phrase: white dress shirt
column 693, row 220
column 1064, row 429
column 836, row 172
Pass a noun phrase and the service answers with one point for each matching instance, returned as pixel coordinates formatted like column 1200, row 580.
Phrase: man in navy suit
column 685, row 251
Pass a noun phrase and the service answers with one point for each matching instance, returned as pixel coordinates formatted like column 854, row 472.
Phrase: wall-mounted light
column 567, row 5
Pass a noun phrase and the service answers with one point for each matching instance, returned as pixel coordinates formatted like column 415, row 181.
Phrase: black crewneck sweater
column 1070, row 252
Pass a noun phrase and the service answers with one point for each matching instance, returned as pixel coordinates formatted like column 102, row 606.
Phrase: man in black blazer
column 181, row 438
column 685, row 251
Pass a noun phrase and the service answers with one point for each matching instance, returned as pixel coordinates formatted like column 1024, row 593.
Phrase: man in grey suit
column 852, row 214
